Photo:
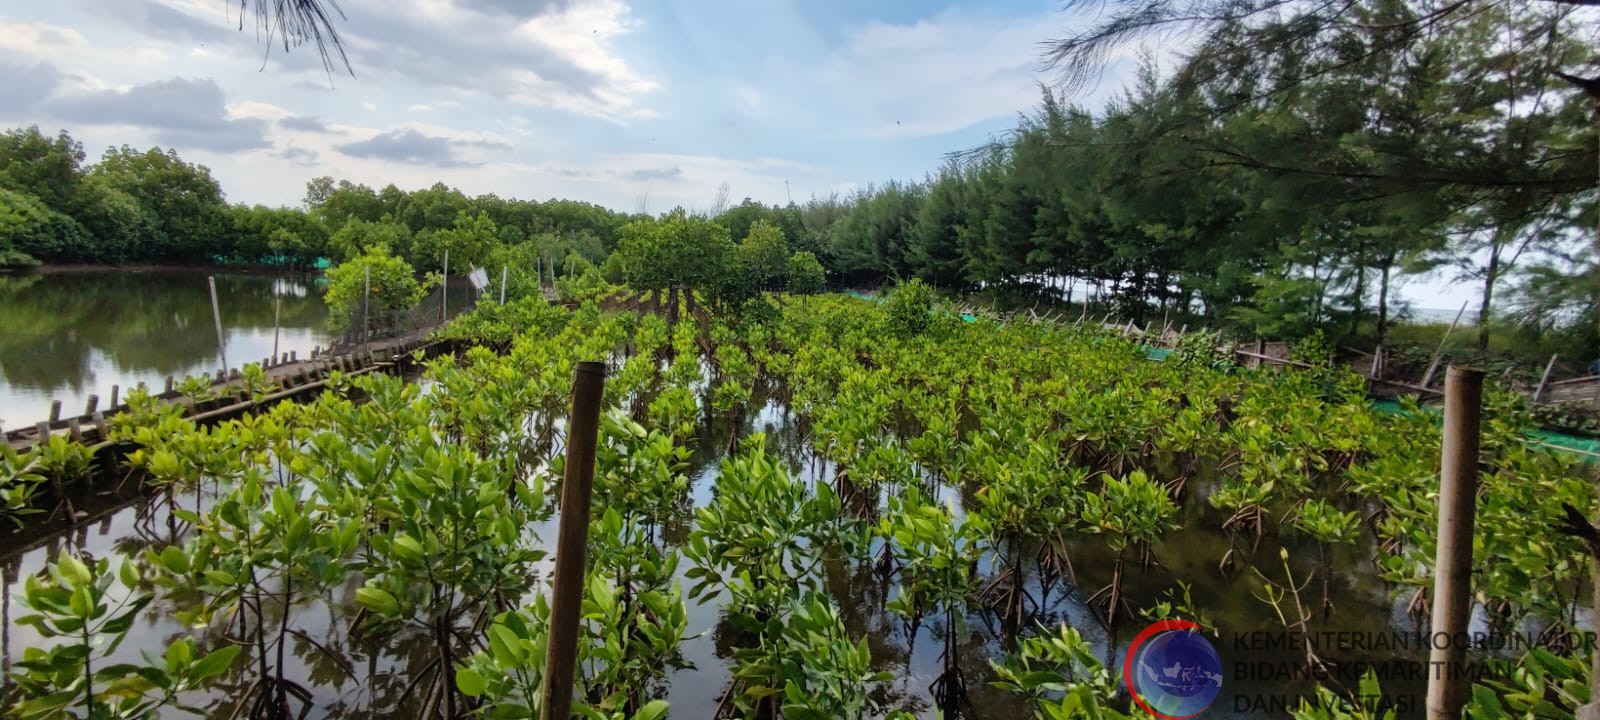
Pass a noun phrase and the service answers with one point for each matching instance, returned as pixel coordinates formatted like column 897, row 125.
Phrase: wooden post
column 1544, row 379
column 55, row 411
column 366, row 305
column 170, row 385
column 277, row 312
column 1433, row 364
column 1452, row 582
column 572, row 543
column 292, row 357
column 114, row 390
column 94, row 404
column 444, row 289
column 216, row 316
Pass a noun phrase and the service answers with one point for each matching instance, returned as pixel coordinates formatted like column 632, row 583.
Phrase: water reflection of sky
column 66, row 337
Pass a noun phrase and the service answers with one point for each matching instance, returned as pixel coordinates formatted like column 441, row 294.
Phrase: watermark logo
column 1171, row 670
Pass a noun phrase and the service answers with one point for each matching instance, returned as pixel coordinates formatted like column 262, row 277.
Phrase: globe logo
column 1171, row 670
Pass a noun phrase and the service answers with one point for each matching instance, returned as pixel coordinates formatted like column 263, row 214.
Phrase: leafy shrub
column 910, row 308
column 806, row 276
column 395, row 289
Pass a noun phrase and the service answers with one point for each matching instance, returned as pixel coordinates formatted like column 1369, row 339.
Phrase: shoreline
column 56, row 269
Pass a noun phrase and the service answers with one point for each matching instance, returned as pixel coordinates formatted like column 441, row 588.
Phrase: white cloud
column 937, row 75
column 40, row 40
column 253, row 109
column 553, row 55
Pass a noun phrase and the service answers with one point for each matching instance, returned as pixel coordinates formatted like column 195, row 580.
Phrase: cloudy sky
column 614, row 102
column 643, row 104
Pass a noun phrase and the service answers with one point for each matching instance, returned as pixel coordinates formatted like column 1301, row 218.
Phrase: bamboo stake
column 216, row 316
column 1452, row 585
column 572, row 542
column 366, row 306
column 1544, row 379
column 1439, row 351
column 277, row 312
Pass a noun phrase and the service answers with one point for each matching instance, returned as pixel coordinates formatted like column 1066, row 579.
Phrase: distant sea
column 1443, row 315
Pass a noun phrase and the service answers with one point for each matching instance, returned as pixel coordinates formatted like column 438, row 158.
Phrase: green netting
column 879, row 298
column 1587, row 446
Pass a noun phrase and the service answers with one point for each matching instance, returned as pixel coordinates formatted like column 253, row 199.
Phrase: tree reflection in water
column 67, row 336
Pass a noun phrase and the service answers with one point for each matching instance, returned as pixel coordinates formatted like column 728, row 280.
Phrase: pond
column 354, row 676
column 66, row 336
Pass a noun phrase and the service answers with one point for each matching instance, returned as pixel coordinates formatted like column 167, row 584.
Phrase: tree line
column 1272, row 193
column 1276, row 207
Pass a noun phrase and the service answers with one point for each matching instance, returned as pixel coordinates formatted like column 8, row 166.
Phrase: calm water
column 68, row 336
column 367, row 677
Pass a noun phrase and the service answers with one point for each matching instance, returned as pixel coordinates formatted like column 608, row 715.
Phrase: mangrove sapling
column 1328, row 526
column 197, row 391
column 448, row 545
column 635, row 613
column 765, row 528
column 504, row 678
column 675, row 409
column 1132, row 512
column 1061, row 676
column 639, row 474
column 258, row 548
column 1296, row 618
column 66, row 463
column 938, row 560
column 1024, row 497
column 804, row 667
column 76, row 605
column 933, row 447
column 1368, row 705
column 20, row 477
column 1539, row 684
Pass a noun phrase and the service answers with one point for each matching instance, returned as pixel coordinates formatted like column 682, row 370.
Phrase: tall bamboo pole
column 572, row 542
column 1452, row 582
column 216, row 316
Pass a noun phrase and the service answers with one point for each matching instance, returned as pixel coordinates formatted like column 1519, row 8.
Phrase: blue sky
column 630, row 104
column 620, row 103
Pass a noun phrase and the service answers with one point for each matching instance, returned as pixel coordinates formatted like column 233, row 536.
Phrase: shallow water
column 67, row 336
column 354, row 677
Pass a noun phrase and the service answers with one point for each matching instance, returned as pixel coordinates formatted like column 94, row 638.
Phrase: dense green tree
column 183, row 200
column 355, row 237
column 472, row 240
column 279, row 236
column 764, row 255
column 120, row 229
column 678, row 249
column 47, row 168
column 30, row 230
